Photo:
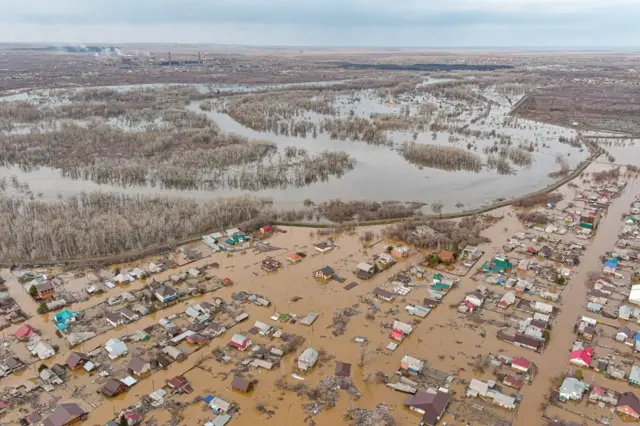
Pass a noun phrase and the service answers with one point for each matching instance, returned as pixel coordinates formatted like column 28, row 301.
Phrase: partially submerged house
column 572, row 389
column 324, row 274
column 307, row 359
column 581, row 357
column 343, row 369
column 240, row 342
column 412, row 365
column 629, row 405
column 116, row 348
column 431, row 404
column 65, row 414
column 113, row 387
column 139, row 366
column 76, row 360
column 25, row 332
column 383, row 294
column 165, row 294
column 241, row 385
column 43, row 350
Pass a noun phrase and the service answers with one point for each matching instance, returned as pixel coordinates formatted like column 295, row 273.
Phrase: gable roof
column 75, row 359
column 137, row 364
column 63, row 413
column 25, row 331
column 433, row 403
column 630, row 399
column 240, row 383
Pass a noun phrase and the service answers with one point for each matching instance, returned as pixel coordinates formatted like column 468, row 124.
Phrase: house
column 512, row 381
column 342, row 369
column 324, row 274
column 412, row 365
column 165, row 294
column 383, row 294
column 545, row 308
column 581, row 357
column 431, row 404
column 65, row 414
column 476, row 298
column 365, row 270
column 219, row 405
column 446, row 256
column 498, row 265
column 294, row 258
column 270, row 264
column 532, row 343
column 180, row 384
column 128, row 315
column 263, row 328
column 45, row 289
column 241, row 385
column 76, row 360
column 624, row 333
column 323, row 247
column 240, row 342
column 307, row 359
column 572, row 389
column 116, row 348
column 400, row 252
column 520, row 364
column 266, row 230
column 10, row 365
column 25, row 332
column 139, row 366
column 599, row 394
column 507, row 300
column 43, row 350
column 114, row 318
column 634, row 375
column 471, row 251
column 629, row 405
column 174, row 353
column 113, row 387
column 624, row 312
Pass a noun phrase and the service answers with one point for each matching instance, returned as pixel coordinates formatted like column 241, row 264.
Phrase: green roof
column 497, row 265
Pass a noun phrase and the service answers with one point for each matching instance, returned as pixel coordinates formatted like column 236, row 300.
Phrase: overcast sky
column 401, row 23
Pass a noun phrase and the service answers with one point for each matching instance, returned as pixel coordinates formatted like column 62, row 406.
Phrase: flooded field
column 480, row 126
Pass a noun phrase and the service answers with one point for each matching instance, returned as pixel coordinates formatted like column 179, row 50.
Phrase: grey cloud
column 320, row 22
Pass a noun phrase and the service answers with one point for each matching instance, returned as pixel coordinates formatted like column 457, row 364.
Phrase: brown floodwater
column 445, row 340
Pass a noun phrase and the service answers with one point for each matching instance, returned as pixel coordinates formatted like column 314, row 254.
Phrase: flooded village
column 295, row 325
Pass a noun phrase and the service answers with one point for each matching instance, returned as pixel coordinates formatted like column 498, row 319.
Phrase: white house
column 116, row 348
column 572, row 389
column 634, row 296
column 476, row 298
column 43, row 350
column 542, row 307
column 308, row 359
column 623, row 334
column 405, row 328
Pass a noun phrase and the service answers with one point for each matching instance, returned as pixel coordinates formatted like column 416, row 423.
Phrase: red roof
column 397, row 335
column 178, row 382
column 470, row 305
column 512, row 381
column 2, row 405
column 25, row 331
column 132, row 415
column 583, row 355
column 531, row 250
column 521, row 362
column 597, row 390
column 267, row 228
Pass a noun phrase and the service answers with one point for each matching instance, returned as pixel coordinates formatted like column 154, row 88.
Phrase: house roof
column 433, row 403
column 446, row 255
column 114, row 317
column 631, row 400
column 240, row 383
column 583, row 355
column 626, row 330
column 166, row 291
column 137, row 364
column 13, row 362
column 63, row 413
column 45, row 286
column 327, row 271
column 343, row 369
column 177, row 382
column 25, row 331
column 382, row 293
column 75, row 359
column 112, row 387
column 116, row 347
column 526, row 340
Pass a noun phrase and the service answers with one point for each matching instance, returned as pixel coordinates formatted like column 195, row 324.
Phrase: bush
column 42, row 308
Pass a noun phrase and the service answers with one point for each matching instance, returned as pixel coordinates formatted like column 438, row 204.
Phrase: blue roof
column 611, row 263
column 208, row 399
